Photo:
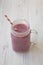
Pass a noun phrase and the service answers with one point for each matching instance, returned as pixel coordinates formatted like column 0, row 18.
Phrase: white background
column 31, row 10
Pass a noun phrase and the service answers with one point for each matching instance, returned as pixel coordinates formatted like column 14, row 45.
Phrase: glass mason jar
column 20, row 35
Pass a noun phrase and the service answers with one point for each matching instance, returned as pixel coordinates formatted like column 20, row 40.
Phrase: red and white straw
column 8, row 19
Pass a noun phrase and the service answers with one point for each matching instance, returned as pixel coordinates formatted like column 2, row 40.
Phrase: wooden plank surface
column 32, row 10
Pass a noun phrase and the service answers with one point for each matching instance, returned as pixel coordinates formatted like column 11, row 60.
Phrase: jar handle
column 34, row 37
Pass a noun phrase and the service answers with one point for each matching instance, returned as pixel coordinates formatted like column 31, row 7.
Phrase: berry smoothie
column 20, row 43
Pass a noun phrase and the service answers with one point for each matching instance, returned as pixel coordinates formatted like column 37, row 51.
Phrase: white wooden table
column 34, row 11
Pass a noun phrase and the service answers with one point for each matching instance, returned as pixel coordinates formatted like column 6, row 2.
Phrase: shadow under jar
column 20, row 36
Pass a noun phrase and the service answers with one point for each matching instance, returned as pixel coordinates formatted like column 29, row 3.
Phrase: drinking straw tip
column 5, row 15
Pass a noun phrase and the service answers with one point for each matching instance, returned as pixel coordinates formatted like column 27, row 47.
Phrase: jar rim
column 23, row 21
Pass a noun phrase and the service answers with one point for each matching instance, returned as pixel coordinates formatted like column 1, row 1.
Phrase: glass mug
column 20, row 35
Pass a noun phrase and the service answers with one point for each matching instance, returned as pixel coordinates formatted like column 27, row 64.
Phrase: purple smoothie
column 20, row 43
